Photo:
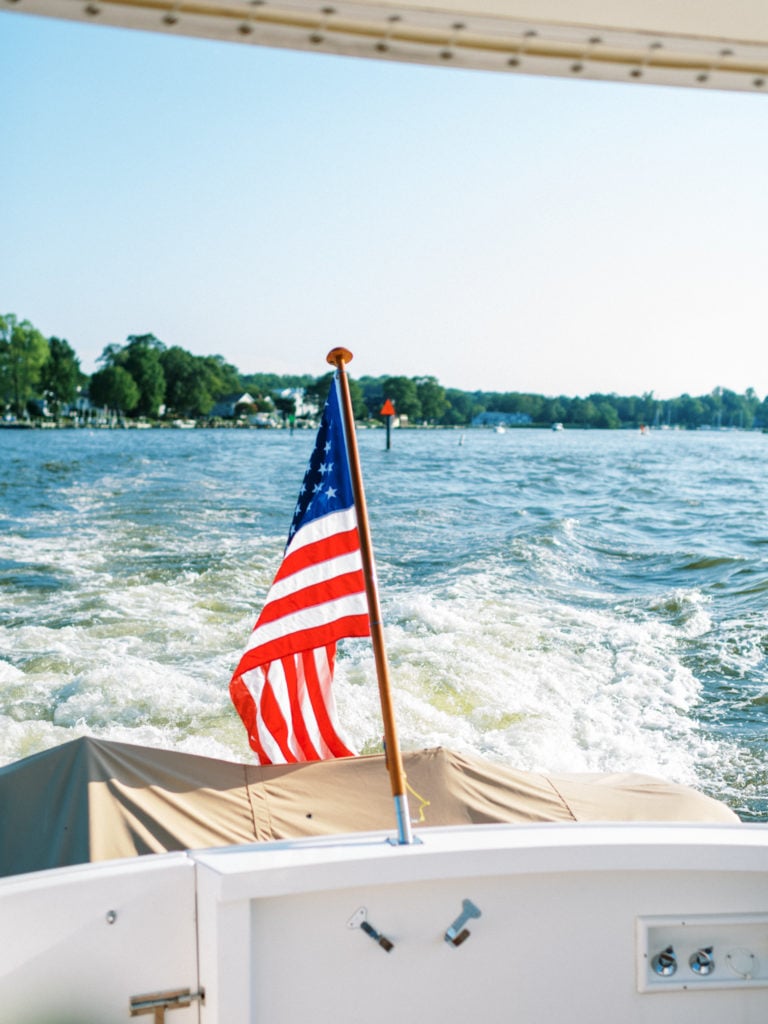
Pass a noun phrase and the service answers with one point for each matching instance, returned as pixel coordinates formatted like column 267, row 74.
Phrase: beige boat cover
column 92, row 800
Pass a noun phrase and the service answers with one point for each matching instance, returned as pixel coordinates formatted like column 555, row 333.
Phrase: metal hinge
column 159, row 1002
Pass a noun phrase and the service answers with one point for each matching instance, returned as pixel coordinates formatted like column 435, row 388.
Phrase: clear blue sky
column 499, row 232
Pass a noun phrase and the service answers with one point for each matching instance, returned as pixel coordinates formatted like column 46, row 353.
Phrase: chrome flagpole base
column 404, row 832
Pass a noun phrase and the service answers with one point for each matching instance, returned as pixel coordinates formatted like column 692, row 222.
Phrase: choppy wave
column 566, row 602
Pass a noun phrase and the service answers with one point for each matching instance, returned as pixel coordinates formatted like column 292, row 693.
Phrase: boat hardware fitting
column 665, row 962
column 702, row 962
column 457, row 933
column 742, row 962
column 358, row 920
column 158, row 1002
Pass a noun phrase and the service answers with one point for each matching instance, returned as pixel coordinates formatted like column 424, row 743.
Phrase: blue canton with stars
column 327, row 485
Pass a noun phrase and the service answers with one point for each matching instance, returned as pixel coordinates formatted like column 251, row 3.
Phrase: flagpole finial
column 338, row 356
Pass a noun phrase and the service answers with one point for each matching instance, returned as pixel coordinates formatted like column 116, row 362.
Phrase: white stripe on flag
column 308, row 618
column 325, row 678
column 320, row 572
column 255, row 681
column 322, row 528
column 307, row 711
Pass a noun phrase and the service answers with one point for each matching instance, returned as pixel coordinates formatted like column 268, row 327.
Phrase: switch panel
column 702, row 952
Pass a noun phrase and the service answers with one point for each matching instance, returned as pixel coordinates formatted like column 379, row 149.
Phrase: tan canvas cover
column 94, row 800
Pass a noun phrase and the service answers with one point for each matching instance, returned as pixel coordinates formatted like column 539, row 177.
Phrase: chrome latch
column 358, row 920
column 457, row 933
column 158, row 1002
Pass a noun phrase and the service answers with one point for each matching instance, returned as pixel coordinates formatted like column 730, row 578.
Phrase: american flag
column 282, row 685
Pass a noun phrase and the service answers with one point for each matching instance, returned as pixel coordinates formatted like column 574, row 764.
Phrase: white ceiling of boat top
column 720, row 44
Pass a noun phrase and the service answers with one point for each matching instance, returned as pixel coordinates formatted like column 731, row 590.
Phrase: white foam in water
column 122, row 658
column 690, row 609
column 540, row 687
column 519, row 678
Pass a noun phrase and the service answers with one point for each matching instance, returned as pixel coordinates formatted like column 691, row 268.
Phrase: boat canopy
column 91, row 800
column 721, row 44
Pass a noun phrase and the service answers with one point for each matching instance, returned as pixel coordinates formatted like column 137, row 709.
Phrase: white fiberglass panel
column 79, row 943
column 556, row 936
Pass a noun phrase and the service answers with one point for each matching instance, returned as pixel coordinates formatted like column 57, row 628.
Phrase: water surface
column 572, row 601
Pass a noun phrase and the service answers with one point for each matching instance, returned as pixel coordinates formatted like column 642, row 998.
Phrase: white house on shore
column 303, row 409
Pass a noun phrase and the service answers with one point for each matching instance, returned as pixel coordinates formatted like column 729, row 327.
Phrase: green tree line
column 143, row 377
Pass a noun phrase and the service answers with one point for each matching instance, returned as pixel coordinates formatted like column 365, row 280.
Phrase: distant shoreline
column 36, row 426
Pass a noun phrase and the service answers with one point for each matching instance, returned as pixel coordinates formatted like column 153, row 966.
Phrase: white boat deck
column 353, row 929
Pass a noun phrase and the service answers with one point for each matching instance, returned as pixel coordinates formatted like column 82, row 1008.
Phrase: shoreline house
column 240, row 406
column 303, row 408
column 230, row 407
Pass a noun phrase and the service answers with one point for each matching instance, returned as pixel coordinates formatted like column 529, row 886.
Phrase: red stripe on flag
column 315, row 594
column 318, row 551
column 295, row 688
column 246, row 707
column 304, row 640
column 316, row 688
column 272, row 716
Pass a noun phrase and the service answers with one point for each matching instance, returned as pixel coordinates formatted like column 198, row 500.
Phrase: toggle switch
column 702, row 962
column 665, row 962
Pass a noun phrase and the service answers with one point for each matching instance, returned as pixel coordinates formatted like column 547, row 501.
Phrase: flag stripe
column 296, row 699
column 328, row 525
column 318, row 673
column 316, row 635
column 292, row 627
column 273, row 725
column 317, row 596
column 339, row 576
column 247, row 704
column 297, row 721
column 317, row 551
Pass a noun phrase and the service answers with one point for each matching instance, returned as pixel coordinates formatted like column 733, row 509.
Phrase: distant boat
column 501, row 429
column 557, row 426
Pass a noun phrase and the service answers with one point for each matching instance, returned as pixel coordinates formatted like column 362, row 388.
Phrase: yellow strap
column 423, row 803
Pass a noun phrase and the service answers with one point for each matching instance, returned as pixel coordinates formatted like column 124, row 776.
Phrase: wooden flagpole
column 338, row 357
